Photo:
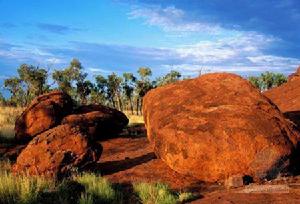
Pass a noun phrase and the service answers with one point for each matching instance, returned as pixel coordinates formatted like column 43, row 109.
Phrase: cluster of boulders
column 219, row 126
column 62, row 137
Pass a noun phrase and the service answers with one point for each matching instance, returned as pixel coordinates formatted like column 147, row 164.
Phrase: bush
column 98, row 189
column 155, row 193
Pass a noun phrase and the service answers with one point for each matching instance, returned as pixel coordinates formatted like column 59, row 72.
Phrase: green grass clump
column 86, row 199
column 186, row 197
column 98, row 189
column 22, row 189
column 155, row 193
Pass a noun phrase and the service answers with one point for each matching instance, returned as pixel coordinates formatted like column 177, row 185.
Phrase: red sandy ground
column 128, row 160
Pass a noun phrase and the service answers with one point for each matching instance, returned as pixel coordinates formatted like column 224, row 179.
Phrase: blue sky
column 242, row 36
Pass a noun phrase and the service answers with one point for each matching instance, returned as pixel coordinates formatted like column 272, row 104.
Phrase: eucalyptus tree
column 170, row 77
column 15, row 87
column 72, row 79
column 114, row 89
column 34, row 79
column 143, row 85
column 128, row 86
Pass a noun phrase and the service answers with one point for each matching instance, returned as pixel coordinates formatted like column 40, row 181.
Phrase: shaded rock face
column 57, row 152
column 44, row 112
column 102, row 122
column 216, row 126
column 287, row 97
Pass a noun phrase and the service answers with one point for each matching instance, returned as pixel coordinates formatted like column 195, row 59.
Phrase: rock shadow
column 111, row 167
column 294, row 116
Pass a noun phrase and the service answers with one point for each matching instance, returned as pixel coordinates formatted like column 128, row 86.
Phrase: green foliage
column 268, row 80
column 30, row 83
column 34, row 78
column 128, row 88
column 155, row 193
column 15, row 87
column 86, row 188
column 170, row 77
column 86, row 199
column 98, row 189
column 145, row 73
column 66, row 79
column 22, row 189
column 187, row 197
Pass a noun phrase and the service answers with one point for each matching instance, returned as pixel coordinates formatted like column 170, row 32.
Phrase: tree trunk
column 141, row 106
column 137, row 106
column 131, row 105
column 119, row 102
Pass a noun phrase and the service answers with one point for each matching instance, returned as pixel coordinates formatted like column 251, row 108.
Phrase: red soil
column 128, row 160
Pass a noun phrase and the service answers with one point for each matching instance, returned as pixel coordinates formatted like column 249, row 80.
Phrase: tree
column 145, row 73
column 70, row 76
column 102, row 90
column 114, row 89
column 142, row 86
column 128, row 88
column 14, row 86
column 255, row 81
column 2, row 100
column 170, row 77
column 35, row 80
column 83, row 90
column 268, row 80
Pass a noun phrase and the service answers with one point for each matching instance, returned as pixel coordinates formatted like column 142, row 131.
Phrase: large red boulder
column 287, row 97
column 102, row 122
column 58, row 152
column 216, row 126
column 44, row 112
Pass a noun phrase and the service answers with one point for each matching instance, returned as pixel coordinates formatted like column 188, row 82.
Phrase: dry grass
column 134, row 119
column 21, row 189
column 8, row 117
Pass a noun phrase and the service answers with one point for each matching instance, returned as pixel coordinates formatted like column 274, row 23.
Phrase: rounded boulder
column 102, row 122
column 58, row 152
column 44, row 112
column 216, row 126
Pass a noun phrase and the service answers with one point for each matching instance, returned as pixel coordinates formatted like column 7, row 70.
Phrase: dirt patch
column 130, row 160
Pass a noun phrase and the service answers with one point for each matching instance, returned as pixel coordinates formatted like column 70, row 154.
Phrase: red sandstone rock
column 287, row 97
column 103, row 122
column 216, row 126
column 44, row 112
column 57, row 152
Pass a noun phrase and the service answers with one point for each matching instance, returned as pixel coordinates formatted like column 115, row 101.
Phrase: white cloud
column 224, row 49
column 242, row 53
column 99, row 70
column 171, row 19
column 54, row 60
column 28, row 53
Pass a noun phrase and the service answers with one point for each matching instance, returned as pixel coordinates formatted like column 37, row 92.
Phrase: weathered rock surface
column 287, row 97
column 44, row 112
column 102, row 122
column 216, row 126
column 57, row 152
column 294, row 76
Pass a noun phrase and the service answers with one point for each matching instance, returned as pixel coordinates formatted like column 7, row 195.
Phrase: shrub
column 155, row 193
column 98, row 188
